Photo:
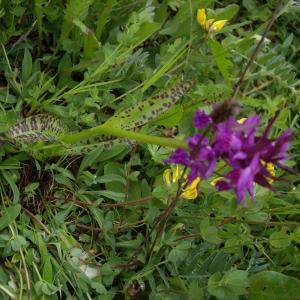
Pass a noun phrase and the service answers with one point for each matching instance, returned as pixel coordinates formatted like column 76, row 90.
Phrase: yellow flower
column 201, row 16
column 210, row 25
column 218, row 25
column 216, row 180
column 242, row 120
column 171, row 177
column 271, row 169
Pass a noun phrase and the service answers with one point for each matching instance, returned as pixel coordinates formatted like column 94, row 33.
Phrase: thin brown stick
column 256, row 50
column 36, row 220
column 127, row 203
column 132, row 261
column 90, row 228
column 24, row 36
column 66, row 198
column 188, row 236
column 262, row 86
column 166, row 214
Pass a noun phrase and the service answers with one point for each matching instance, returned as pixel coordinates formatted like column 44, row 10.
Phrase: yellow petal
column 195, row 183
column 242, row 120
column 216, row 180
column 190, row 195
column 271, row 169
column 201, row 16
column 209, row 24
column 167, row 177
column 191, row 191
column 218, row 25
column 176, row 174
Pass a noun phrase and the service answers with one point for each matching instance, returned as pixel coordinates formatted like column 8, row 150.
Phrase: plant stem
column 126, row 134
column 256, row 50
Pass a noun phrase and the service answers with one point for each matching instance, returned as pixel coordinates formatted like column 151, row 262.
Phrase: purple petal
column 201, row 119
column 262, row 180
column 194, row 140
column 282, row 143
column 287, row 169
column 223, row 185
column 179, row 156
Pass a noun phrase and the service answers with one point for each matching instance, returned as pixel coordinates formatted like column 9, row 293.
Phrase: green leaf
column 159, row 154
column 237, row 280
column 280, row 239
column 89, row 159
column 145, row 31
column 222, row 57
column 215, row 287
column 114, row 152
column 10, row 214
column 180, row 24
column 47, row 271
column 230, row 286
column 195, row 291
column 7, row 119
column 112, row 178
column 18, row 243
column 113, row 195
column 75, row 9
column 270, row 285
column 179, row 252
column 111, row 170
column 226, row 13
column 16, row 193
column 26, row 66
column 209, row 233
column 295, row 236
column 171, row 117
column 149, row 109
column 103, row 17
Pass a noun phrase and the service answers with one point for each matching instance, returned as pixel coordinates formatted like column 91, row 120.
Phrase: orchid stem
column 121, row 133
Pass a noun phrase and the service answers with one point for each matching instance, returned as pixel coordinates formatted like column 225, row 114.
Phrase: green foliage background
column 69, row 225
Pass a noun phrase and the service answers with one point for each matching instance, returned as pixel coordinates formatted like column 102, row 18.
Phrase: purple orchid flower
column 241, row 180
column 201, row 119
column 201, row 160
column 238, row 144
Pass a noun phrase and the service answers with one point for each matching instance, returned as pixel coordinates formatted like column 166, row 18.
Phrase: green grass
column 71, row 224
